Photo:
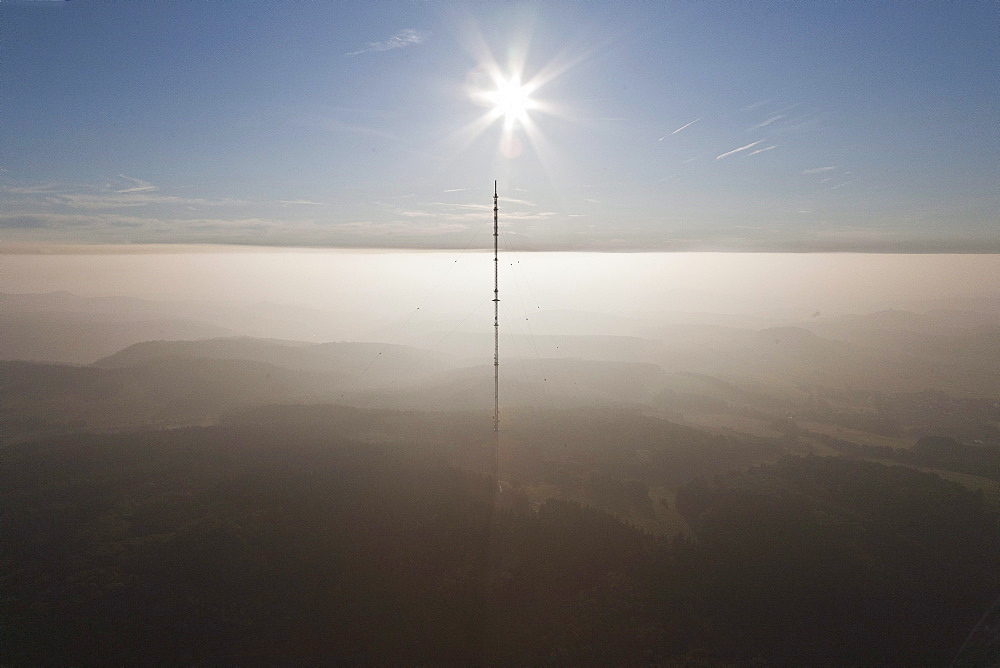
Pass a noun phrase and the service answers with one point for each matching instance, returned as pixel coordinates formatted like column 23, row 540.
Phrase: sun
column 509, row 96
column 505, row 97
column 511, row 100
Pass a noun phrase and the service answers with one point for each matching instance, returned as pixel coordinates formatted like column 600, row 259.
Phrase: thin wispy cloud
column 338, row 125
column 515, row 209
column 737, row 150
column 364, row 229
column 400, row 40
column 541, row 215
column 427, row 229
column 819, row 170
column 788, row 107
column 756, row 105
column 808, row 120
column 470, row 213
column 42, row 189
column 127, row 192
column 135, row 185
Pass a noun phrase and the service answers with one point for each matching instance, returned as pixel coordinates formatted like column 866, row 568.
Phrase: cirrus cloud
column 401, row 40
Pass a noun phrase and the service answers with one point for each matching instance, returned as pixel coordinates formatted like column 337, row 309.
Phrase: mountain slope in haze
column 73, row 338
column 894, row 327
column 947, row 349
column 193, row 382
column 539, row 382
column 889, row 351
column 572, row 383
column 348, row 364
column 403, row 377
column 964, row 363
column 38, row 398
column 67, row 328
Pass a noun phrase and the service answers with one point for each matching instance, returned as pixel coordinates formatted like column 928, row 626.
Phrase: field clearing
column 665, row 521
column 731, row 422
column 668, row 521
column 989, row 487
column 858, row 436
column 819, row 448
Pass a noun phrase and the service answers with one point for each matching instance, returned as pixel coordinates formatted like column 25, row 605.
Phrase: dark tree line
column 237, row 546
column 940, row 452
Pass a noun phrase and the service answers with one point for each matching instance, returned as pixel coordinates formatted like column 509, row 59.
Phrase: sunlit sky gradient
column 654, row 126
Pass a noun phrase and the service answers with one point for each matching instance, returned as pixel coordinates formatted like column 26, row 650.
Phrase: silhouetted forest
column 242, row 544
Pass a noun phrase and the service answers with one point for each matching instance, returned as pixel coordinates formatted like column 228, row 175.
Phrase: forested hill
column 234, row 545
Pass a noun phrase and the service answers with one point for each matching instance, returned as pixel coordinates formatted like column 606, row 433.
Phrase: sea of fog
column 383, row 284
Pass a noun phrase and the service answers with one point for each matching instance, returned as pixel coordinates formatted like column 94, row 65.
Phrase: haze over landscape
column 749, row 324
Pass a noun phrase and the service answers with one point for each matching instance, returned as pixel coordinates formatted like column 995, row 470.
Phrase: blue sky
column 656, row 126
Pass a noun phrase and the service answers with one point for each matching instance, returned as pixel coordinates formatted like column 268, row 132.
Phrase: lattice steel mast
column 496, row 336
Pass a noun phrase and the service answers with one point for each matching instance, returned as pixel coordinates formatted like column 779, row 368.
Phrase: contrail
column 767, row 122
column 686, row 126
column 737, row 150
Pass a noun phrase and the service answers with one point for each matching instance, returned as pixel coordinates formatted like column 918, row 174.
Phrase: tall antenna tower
column 496, row 337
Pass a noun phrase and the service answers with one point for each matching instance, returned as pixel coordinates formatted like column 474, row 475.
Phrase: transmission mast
column 496, row 336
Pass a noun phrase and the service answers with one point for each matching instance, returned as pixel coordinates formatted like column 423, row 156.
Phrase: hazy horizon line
column 152, row 248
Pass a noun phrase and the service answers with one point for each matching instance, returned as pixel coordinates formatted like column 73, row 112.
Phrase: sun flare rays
column 509, row 97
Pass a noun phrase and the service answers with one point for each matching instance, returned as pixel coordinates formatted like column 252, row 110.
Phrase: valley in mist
column 686, row 440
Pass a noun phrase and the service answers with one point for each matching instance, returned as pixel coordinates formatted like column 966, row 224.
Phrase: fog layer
column 374, row 284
